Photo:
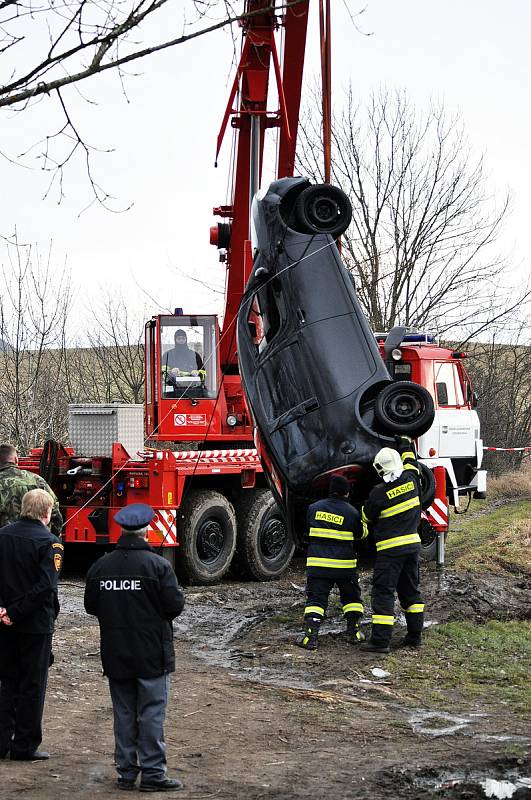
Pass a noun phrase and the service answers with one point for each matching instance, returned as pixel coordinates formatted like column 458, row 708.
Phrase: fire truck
column 212, row 500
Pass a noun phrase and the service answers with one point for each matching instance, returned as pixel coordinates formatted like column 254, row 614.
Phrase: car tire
column 322, row 209
column 428, row 485
column 406, row 408
column 207, row 536
column 264, row 545
column 428, row 541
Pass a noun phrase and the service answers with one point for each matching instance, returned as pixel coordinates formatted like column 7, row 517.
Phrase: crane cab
column 187, row 396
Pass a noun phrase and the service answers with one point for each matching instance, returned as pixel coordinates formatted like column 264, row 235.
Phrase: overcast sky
column 471, row 55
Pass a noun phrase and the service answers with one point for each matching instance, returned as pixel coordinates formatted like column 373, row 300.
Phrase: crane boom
column 250, row 117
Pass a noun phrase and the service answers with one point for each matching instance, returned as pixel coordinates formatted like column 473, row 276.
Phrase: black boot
column 375, row 647
column 354, row 634
column 412, row 640
column 308, row 640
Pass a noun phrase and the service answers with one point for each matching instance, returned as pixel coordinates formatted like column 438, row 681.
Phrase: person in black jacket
column 393, row 510
column 333, row 525
column 30, row 562
column 135, row 595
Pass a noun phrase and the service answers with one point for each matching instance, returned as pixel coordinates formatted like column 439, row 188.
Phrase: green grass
column 490, row 662
column 496, row 541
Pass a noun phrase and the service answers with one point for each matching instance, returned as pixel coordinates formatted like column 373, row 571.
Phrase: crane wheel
column 264, row 545
column 208, row 537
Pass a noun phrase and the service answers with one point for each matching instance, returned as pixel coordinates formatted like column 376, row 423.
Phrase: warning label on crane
column 189, row 419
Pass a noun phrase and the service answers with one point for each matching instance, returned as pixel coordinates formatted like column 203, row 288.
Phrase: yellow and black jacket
column 333, row 525
column 393, row 509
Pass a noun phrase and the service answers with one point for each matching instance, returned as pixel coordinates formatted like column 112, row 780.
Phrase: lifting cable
column 326, row 84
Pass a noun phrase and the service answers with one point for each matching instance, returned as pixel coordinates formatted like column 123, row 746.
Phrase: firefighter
column 135, row 595
column 393, row 512
column 333, row 524
column 14, row 483
column 30, row 562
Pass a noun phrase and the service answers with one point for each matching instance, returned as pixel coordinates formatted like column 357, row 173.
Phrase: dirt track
column 252, row 716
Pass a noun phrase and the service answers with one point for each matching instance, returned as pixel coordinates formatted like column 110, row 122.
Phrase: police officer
column 333, row 524
column 393, row 511
column 30, row 562
column 135, row 595
column 14, row 483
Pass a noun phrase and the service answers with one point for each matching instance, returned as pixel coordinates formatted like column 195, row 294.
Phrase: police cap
column 338, row 485
column 134, row 516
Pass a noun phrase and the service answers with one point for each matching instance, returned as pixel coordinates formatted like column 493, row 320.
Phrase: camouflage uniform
column 14, row 483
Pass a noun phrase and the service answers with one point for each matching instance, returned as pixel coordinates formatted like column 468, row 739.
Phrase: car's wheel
column 428, row 486
column 428, row 541
column 264, row 544
column 322, row 209
column 208, row 537
column 405, row 408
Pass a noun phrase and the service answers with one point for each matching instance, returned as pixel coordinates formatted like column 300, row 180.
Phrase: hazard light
column 459, row 354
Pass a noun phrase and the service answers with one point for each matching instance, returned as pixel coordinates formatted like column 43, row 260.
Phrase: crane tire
column 208, row 537
column 264, row 545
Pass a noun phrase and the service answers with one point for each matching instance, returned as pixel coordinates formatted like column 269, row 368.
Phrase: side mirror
column 475, row 400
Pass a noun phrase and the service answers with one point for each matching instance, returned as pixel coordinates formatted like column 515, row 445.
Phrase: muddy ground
column 253, row 716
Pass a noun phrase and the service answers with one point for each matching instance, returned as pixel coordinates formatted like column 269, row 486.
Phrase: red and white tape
column 507, row 449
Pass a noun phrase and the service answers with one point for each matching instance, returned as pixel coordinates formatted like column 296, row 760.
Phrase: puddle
column 437, row 723
column 495, row 781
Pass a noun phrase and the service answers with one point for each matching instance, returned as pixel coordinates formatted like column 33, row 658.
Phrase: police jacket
column 333, row 525
column 393, row 509
column 30, row 562
column 14, row 483
column 135, row 595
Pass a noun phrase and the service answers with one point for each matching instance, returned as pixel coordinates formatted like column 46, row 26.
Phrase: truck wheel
column 322, row 209
column 264, row 544
column 208, row 537
column 428, row 487
column 428, row 541
column 405, row 408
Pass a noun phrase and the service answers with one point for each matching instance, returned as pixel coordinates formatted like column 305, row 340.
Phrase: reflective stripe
column 330, row 533
column 408, row 454
column 353, row 607
column 413, row 502
column 411, row 466
column 396, row 541
column 382, row 619
column 314, row 610
column 416, row 608
column 333, row 563
column 364, row 524
column 364, row 517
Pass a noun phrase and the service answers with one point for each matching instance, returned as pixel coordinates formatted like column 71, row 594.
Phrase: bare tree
column 117, row 355
column 421, row 244
column 49, row 45
column 502, row 378
column 34, row 306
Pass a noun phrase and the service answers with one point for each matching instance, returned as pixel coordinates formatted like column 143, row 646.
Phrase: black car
column 320, row 394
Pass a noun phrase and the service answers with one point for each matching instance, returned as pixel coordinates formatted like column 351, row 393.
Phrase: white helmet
column 387, row 461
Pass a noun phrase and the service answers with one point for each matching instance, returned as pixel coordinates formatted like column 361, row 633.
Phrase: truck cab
column 453, row 441
column 188, row 397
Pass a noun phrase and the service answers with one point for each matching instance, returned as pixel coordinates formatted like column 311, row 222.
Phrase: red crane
column 207, row 404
